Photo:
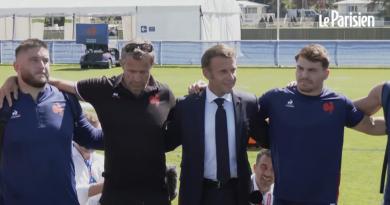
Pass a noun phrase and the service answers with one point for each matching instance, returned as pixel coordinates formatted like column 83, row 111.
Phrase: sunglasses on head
column 146, row 47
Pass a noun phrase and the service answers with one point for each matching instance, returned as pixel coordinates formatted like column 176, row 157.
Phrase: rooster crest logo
column 154, row 100
column 328, row 107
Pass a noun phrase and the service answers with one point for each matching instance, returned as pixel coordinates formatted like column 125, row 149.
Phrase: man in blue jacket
column 306, row 126
column 36, row 164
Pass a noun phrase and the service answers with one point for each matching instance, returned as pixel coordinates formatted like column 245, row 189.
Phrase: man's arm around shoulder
column 172, row 126
column 370, row 105
column 64, row 85
column 371, row 125
column 258, row 127
column 372, row 102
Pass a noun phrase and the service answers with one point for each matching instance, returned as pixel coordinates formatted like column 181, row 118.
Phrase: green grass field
column 363, row 154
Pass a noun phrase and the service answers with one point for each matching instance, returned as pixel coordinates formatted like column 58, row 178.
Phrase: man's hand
column 197, row 87
column 10, row 87
column 95, row 189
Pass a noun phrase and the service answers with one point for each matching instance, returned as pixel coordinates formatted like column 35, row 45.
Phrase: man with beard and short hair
column 306, row 132
column 36, row 164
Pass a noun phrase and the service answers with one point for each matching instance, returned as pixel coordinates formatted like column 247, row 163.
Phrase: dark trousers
column 386, row 198
column 133, row 198
column 286, row 202
column 225, row 194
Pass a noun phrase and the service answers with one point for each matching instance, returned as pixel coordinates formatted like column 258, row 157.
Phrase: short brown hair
column 263, row 152
column 219, row 50
column 28, row 44
column 314, row 53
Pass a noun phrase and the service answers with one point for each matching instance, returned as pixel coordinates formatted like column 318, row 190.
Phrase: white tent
column 151, row 19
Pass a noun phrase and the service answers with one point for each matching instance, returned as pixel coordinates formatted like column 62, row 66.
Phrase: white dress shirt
column 82, row 176
column 210, row 154
column 268, row 198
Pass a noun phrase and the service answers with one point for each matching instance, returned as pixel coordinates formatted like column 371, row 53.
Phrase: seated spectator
column 89, row 167
column 262, row 179
column 270, row 19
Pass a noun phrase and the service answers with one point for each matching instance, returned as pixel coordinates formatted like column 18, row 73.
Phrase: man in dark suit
column 213, row 127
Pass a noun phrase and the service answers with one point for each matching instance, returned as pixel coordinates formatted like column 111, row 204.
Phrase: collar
column 324, row 91
column 150, row 87
column 255, row 187
column 42, row 94
column 210, row 96
column 117, row 80
column 46, row 89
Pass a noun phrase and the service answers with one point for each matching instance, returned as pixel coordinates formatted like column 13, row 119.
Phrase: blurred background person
column 263, row 179
column 89, row 167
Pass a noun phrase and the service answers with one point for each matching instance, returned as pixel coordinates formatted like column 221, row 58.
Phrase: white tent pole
column 13, row 27
column 277, row 19
column 5, row 28
column 136, row 24
column 74, row 26
column 203, row 25
column 201, row 21
column 30, row 24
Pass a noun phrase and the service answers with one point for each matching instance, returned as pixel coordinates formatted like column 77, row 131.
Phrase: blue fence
column 250, row 53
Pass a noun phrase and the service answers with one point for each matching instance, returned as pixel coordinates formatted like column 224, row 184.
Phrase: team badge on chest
column 328, row 107
column 58, row 109
column 154, row 99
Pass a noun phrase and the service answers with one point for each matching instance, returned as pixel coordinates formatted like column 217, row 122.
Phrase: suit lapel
column 237, row 105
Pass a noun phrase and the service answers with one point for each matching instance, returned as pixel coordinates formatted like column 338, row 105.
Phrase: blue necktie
column 88, row 163
column 221, row 140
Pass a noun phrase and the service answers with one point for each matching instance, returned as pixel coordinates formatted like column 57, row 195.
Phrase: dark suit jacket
column 186, row 127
